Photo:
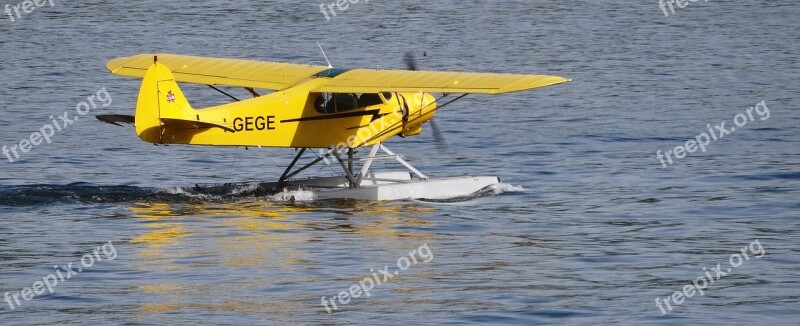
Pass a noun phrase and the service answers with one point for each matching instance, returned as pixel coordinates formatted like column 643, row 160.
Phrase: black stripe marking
column 374, row 113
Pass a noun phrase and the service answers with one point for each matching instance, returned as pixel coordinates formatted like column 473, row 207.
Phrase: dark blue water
column 589, row 228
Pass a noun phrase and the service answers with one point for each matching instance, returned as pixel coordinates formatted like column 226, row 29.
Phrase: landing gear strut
column 354, row 179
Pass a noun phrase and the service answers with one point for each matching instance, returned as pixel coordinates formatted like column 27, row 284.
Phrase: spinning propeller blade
column 438, row 138
column 411, row 61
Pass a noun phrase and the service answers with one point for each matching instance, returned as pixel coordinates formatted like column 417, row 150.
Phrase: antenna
column 323, row 54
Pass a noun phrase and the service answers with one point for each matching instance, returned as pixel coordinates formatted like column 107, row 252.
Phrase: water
column 588, row 228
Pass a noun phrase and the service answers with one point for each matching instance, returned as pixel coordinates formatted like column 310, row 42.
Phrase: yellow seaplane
column 326, row 111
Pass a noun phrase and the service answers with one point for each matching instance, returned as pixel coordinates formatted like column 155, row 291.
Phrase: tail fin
column 162, row 105
column 159, row 98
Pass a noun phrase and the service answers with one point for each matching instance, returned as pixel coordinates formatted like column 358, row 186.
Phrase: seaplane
column 334, row 116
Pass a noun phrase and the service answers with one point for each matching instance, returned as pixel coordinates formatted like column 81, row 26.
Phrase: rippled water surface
column 589, row 227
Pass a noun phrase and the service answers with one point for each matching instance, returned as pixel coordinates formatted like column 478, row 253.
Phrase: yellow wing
column 280, row 76
column 376, row 81
column 218, row 71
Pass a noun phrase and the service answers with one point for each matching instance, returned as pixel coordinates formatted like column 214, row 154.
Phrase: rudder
column 160, row 97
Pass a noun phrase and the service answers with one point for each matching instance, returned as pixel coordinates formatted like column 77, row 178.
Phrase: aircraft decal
column 259, row 123
column 170, row 97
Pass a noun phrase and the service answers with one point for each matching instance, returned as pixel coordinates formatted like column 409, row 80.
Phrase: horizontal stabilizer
column 115, row 119
column 193, row 124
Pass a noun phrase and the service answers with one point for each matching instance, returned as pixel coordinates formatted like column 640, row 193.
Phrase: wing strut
column 223, row 92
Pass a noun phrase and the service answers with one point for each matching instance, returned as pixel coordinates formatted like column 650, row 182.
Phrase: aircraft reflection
column 204, row 240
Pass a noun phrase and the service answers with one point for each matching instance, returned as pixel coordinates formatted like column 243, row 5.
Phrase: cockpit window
column 324, row 103
column 343, row 102
column 369, row 100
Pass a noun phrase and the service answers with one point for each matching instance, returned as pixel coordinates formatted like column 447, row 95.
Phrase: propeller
column 411, row 61
column 438, row 138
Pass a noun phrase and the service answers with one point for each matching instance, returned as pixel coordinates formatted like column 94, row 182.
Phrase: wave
column 34, row 195
column 489, row 191
column 82, row 193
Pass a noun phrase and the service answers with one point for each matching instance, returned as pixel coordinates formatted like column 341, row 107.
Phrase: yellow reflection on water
column 164, row 234
column 390, row 222
column 198, row 242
